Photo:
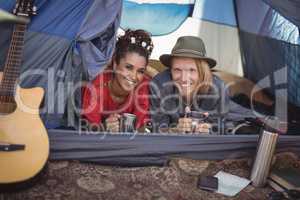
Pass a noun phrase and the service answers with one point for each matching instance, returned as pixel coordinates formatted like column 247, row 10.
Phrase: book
column 275, row 185
column 287, row 177
column 209, row 183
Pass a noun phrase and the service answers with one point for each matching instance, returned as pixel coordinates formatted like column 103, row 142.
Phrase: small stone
column 104, row 171
column 58, row 165
column 95, row 185
column 159, row 198
column 193, row 167
column 51, row 182
column 137, row 186
column 249, row 189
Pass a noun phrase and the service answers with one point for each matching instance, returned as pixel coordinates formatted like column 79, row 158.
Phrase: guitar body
column 23, row 126
column 24, row 144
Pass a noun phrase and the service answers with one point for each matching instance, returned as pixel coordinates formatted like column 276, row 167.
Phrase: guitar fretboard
column 13, row 62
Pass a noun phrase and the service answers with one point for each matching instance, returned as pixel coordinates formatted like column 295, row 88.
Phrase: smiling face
column 130, row 70
column 185, row 75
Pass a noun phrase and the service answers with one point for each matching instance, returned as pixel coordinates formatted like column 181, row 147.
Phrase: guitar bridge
column 6, row 147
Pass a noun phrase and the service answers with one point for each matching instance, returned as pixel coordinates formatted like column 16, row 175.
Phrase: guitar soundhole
column 7, row 104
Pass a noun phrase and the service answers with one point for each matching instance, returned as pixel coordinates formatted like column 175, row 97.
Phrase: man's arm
column 158, row 118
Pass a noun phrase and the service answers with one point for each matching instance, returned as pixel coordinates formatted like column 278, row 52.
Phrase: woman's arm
column 141, row 105
column 90, row 105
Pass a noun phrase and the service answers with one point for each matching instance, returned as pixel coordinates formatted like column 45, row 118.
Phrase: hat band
column 197, row 53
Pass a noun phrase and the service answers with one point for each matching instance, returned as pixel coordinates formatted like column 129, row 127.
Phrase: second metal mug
column 127, row 122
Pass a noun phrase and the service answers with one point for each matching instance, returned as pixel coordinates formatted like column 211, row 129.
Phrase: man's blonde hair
column 205, row 76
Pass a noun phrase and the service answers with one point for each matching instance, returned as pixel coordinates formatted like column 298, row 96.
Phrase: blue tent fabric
column 65, row 43
column 287, row 8
column 143, row 16
column 270, row 44
column 149, row 15
column 220, row 12
column 70, row 41
column 56, row 18
column 155, row 149
column 279, row 27
column 97, row 35
column 266, row 21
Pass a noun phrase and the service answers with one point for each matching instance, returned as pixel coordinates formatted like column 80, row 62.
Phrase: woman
column 122, row 87
column 187, row 85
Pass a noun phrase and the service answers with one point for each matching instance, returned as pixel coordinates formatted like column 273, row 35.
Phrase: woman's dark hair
column 138, row 41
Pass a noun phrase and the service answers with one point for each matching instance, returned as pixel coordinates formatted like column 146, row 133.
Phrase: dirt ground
column 177, row 181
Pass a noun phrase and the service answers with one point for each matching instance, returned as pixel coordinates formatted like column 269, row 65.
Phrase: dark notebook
column 287, row 177
column 208, row 183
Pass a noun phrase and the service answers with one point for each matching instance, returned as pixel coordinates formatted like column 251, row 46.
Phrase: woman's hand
column 112, row 123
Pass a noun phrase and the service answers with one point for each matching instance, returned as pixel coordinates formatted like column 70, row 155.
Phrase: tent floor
column 74, row 180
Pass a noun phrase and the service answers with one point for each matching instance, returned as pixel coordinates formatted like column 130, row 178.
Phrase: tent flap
column 270, row 48
column 155, row 149
column 63, row 43
column 287, row 8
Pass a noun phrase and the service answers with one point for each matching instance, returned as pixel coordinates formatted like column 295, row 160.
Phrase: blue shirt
column 167, row 105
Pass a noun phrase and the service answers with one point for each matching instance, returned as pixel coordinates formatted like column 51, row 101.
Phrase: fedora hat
column 188, row 46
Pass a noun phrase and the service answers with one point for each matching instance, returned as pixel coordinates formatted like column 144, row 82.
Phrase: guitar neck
column 13, row 62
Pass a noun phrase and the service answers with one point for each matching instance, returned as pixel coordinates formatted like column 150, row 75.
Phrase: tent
column 241, row 42
column 271, row 47
column 72, row 41
column 64, row 43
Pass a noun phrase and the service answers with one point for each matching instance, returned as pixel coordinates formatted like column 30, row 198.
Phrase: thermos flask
column 264, row 154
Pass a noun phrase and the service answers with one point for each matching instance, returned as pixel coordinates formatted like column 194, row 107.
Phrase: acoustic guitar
column 24, row 143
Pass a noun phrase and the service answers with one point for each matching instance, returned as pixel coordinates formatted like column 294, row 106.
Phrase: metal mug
column 127, row 123
column 197, row 117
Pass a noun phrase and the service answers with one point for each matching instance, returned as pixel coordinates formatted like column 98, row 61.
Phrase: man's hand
column 203, row 128
column 184, row 125
column 188, row 125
